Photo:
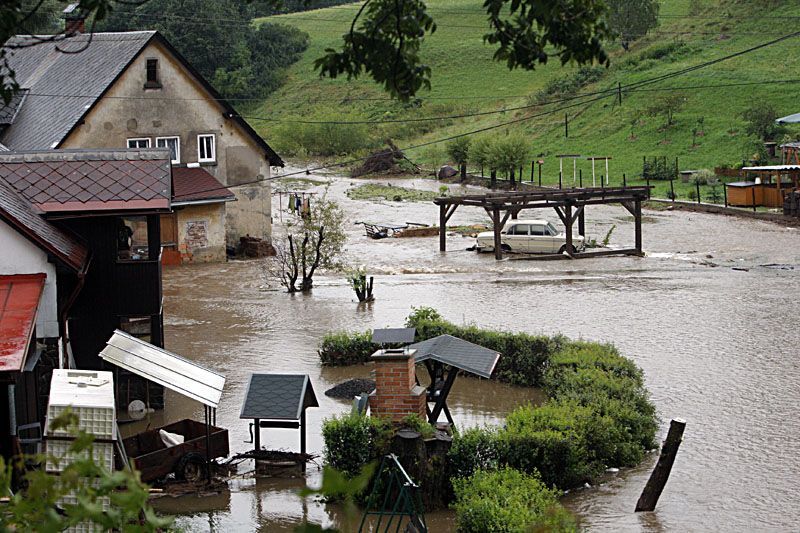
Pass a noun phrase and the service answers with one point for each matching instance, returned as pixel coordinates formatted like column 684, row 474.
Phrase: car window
column 551, row 229
column 537, row 229
column 519, row 229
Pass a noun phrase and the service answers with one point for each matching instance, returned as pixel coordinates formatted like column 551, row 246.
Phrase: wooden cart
column 155, row 460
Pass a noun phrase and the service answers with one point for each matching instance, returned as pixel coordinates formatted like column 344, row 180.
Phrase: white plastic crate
column 90, row 396
column 69, row 499
column 59, row 449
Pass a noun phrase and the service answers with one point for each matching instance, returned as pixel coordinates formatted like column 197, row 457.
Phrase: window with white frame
column 206, row 148
column 174, row 145
column 139, row 143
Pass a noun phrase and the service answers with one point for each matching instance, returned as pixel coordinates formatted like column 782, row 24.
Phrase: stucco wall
column 200, row 233
column 181, row 107
column 21, row 256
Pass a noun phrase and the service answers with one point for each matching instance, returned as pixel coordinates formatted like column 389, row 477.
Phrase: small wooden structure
column 569, row 204
column 278, row 401
column 444, row 357
column 769, row 190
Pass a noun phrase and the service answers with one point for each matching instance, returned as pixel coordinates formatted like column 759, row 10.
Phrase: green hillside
column 466, row 80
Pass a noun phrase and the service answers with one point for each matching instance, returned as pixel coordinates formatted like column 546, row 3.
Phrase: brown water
column 719, row 348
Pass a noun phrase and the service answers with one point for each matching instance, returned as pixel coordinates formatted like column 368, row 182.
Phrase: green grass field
column 467, row 80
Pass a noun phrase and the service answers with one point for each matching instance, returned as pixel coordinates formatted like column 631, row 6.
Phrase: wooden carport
column 569, row 204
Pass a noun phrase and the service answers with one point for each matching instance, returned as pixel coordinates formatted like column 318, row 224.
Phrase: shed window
column 132, row 242
column 139, row 143
column 152, row 74
column 206, row 149
column 174, row 145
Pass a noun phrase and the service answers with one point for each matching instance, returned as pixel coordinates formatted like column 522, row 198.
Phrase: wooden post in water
column 655, row 485
column 637, row 218
column 498, row 248
column 493, row 179
column 443, row 227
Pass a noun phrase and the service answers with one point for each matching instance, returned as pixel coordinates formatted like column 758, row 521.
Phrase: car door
column 517, row 237
column 540, row 241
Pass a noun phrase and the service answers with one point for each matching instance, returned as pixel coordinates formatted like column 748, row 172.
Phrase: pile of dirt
column 386, row 161
column 351, row 388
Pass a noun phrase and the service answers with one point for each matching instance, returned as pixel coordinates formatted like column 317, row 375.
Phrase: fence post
column 493, row 182
column 697, row 187
column 559, row 179
column 540, row 174
column 753, row 196
column 533, row 164
column 725, row 192
column 580, row 177
column 672, row 190
column 624, row 180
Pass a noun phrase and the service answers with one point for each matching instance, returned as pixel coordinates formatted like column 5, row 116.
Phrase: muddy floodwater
column 711, row 315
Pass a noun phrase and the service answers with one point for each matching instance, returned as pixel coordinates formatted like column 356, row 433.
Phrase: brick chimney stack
column 397, row 394
column 74, row 19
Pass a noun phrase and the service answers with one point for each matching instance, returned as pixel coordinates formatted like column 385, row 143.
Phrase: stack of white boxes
column 89, row 395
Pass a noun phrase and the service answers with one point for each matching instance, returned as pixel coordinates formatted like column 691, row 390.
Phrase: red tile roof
column 19, row 214
column 83, row 180
column 19, row 300
column 192, row 185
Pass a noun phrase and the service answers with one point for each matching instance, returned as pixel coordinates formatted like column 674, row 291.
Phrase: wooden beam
column 450, row 211
column 497, row 227
column 658, row 479
column 581, row 222
column 443, row 393
column 561, row 215
column 443, row 228
column 568, row 225
column 637, row 217
column 629, row 207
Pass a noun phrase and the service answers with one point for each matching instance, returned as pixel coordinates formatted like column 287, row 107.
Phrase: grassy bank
column 374, row 191
column 466, row 80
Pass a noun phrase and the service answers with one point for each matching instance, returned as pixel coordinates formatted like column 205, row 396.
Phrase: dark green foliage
column 472, row 450
column 570, row 84
column 353, row 441
column 245, row 62
column 342, row 348
column 760, row 118
column 509, row 501
column 632, row 19
column 458, row 150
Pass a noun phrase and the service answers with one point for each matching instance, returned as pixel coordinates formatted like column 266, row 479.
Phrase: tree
column 458, row 150
column 385, row 36
column 760, row 117
column 480, row 152
column 508, row 153
column 316, row 242
column 632, row 19
column 666, row 107
column 41, row 505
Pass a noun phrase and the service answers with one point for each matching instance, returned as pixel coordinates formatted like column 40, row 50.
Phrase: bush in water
column 353, row 441
column 341, row 348
column 508, row 500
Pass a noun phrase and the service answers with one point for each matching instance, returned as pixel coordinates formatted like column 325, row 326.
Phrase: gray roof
column 789, row 119
column 9, row 112
column 61, row 86
column 393, row 335
column 278, row 396
column 458, row 353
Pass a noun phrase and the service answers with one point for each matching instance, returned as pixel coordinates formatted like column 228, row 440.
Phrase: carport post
column 637, row 216
column 569, row 220
column 257, row 433
column 582, row 223
column 303, row 431
column 498, row 250
column 442, row 228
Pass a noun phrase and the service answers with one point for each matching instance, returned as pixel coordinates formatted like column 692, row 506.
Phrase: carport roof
column 458, row 353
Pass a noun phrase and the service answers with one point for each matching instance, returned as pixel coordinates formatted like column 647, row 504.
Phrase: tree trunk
column 308, row 276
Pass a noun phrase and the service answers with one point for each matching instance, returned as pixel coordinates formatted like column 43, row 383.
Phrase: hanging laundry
column 298, row 204
column 306, row 208
column 291, row 203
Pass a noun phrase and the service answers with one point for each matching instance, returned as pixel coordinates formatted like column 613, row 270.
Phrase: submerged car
column 529, row 236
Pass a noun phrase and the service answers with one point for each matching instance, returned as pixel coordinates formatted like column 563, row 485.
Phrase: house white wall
column 21, row 256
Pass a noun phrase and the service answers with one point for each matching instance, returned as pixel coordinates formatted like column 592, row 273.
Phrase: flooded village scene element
column 399, row 265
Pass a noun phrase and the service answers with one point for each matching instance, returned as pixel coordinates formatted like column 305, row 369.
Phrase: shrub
column 509, row 501
column 569, row 84
column 418, row 424
column 472, row 450
column 342, row 348
column 458, row 150
column 352, row 441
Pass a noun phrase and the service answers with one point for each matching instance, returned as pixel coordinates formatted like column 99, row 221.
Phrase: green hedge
column 341, row 348
column 507, row 500
column 354, row 440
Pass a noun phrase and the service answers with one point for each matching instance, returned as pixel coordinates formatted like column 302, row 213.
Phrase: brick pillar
column 397, row 394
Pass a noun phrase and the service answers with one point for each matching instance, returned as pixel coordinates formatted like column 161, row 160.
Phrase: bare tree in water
column 314, row 242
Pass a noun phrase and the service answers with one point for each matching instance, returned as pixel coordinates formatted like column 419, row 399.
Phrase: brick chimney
column 397, row 394
column 74, row 19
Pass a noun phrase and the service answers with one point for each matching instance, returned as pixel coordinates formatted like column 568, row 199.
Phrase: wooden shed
column 769, row 188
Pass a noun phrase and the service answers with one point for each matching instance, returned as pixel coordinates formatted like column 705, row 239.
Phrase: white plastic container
column 90, row 395
column 103, row 453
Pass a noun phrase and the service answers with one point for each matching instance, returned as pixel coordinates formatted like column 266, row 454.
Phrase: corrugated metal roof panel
column 19, row 300
column 165, row 368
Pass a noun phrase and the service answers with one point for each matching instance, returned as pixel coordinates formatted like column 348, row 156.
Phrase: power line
column 545, row 113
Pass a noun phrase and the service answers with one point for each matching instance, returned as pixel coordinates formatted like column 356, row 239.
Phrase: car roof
column 530, row 221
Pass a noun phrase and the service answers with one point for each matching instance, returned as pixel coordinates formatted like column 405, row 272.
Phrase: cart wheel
column 191, row 467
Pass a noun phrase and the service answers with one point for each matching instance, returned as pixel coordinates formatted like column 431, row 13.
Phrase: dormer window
column 151, row 66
